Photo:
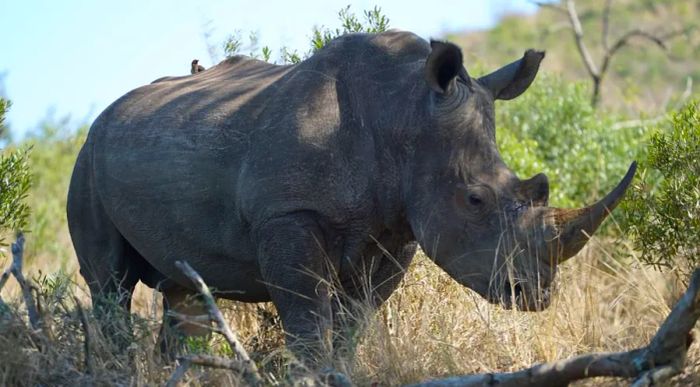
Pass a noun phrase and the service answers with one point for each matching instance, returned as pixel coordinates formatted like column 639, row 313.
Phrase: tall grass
column 431, row 326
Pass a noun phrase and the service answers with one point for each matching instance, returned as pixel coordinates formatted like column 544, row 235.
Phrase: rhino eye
column 474, row 199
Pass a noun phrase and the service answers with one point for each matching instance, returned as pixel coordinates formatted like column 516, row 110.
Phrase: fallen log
column 663, row 358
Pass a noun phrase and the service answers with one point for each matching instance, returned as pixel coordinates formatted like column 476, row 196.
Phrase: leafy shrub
column 14, row 183
column 664, row 207
column 54, row 150
column 552, row 129
column 374, row 21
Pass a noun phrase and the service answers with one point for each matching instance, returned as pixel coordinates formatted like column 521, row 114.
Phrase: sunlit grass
column 430, row 327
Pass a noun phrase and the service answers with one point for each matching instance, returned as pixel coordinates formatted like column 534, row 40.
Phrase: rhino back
column 186, row 167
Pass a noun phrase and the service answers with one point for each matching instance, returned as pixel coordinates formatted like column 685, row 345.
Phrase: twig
column 578, row 37
column 636, row 123
column 201, row 319
column 3, row 280
column 17, row 255
column 251, row 373
column 5, row 276
column 660, row 360
column 214, row 361
column 606, row 24
column 655, row 377
column 178, row 373
column 86, row 333
column 202, row 360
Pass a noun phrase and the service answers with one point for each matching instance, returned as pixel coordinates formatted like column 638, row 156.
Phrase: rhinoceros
column 284, row 183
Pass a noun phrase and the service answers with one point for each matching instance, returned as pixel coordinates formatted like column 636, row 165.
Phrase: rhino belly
column 172, row 206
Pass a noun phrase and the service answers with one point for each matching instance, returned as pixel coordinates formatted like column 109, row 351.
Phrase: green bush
column 664, row 206
column 551, row 128
column 54, row 150
column 15, row 181
column 374, row 21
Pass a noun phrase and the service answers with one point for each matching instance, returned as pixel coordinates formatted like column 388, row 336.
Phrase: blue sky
column 74, row 57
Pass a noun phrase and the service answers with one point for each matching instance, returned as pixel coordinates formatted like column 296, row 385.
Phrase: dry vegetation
column 430, row 327
column 606, row 300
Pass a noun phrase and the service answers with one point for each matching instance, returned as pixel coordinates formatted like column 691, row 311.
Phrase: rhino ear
column 512, row 80
column 442, row 66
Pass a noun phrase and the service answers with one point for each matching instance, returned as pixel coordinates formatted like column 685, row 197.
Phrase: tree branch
column 251, row 373
column 178, row 373
column 663, row 358
column 214, row 362
column 622, row 41
column 202, row 360
column 588, row 62
column 3, row 279
column 636, row 123
column 598, row 73
column 16, row 269
column 87, row 343
column 606, row 24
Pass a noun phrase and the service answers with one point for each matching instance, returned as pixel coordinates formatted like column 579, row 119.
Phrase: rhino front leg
column 295, row 267
column 367, row 296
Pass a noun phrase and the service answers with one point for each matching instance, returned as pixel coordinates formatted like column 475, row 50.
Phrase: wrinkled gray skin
column 273, row 181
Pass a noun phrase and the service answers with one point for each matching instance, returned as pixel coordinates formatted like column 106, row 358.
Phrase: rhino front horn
column 575, row 226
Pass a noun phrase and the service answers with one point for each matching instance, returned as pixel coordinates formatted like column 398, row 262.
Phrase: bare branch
column 86, row 333
column 655, row 377
column 636, row 123
column 251, row 371
column 606, row 24
column 622, row 41
column 17, row 256
column 178, row 373
column 205, row 361
column 3, row 279
column 597, row 73
column 214, row 362
column 663, row 358
column 5, row 276
column 202, row 319
column 578, row 37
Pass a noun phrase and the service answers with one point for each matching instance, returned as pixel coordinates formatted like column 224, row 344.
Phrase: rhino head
column 488, row 229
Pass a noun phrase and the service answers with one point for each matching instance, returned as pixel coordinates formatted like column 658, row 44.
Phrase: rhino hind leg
column 175, row 330
column 105, row 266
column 108, row 263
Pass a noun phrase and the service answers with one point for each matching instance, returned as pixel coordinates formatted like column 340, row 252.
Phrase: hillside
column 641, row 77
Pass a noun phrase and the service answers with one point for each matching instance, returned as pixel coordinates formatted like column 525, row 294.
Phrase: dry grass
column 430, row 327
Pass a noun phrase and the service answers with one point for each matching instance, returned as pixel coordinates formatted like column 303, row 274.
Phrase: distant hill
column 642, row 76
